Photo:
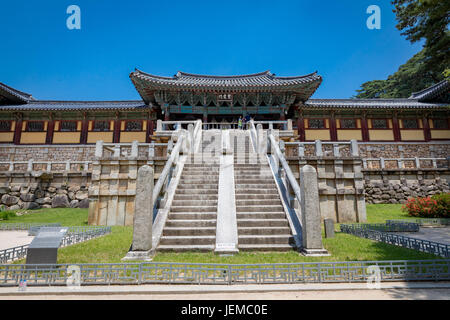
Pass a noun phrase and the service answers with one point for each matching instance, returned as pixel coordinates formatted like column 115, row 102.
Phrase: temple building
column 423, row 117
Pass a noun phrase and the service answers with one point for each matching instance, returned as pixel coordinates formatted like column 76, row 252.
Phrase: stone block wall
column 396, row 186
column 28, row 191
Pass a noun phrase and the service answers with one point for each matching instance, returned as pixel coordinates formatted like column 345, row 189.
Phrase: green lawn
column 111, row 248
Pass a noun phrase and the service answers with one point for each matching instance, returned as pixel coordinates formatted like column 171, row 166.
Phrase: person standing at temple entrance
column 240, row 123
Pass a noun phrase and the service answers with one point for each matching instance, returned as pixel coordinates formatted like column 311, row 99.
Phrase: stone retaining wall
column 44, row 196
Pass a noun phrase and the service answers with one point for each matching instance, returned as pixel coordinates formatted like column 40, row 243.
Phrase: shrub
column 5, row 215
column 437, row 206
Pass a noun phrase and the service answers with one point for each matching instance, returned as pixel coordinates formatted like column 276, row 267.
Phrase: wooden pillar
column 116, row 134
column 426, row 128
column 333, row 130
column 150, row 127
column 18, row 129
column 84, row 129
column 397, row 136
column 364, row 128
column 300, row 125
column 50, row 130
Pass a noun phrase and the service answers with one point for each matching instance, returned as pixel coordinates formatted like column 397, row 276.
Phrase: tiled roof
column 372, row 103
column 303, row 86
column 13, row 95
column 432, row 92
column 77, row 105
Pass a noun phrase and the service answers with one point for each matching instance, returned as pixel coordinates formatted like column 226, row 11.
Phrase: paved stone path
column 11, row 239
column 441, row 235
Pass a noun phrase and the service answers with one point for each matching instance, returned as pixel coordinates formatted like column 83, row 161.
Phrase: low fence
column 392, row 226
column 426, row 246
column 227, row 274
column 74, row 235
column 436, row 222
column 25, row 226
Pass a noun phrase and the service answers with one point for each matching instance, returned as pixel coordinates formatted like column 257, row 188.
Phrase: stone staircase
column 261, row 220
column 191, row 223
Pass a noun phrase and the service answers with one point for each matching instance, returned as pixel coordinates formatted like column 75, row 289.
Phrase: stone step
column 187, row 240
column 266, row 247
column 202, row 180
column 264, row 230
column 262, row 223
column 256, row 186
column 244, row 176
column 238, row 180
column 256, row 191
column 189, row 231
column 260, row 215
column 194, row 208
column 192, row 215
column 198, row 186
column 184, row 203
column 266, row 239
column 190, row 223
column 258, row 208
column 184, row 248
column 244, row 196
column 258, row 202
column 196, row 197
column 196, row 191
column 202, row 165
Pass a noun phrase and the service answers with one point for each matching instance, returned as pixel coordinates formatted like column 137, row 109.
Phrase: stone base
column 226, row 250
column 139, row 256
column 314, row 252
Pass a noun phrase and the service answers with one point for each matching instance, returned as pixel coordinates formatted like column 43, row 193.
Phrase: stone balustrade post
column 30, row 165
column 310, row 213
column 301, row 150
column 336, row 151
column 382, row 163
column 354, row 149
column 319, row 151
column 159, row 126
column 99, row 149
column 141, row 248
column 416, row 159
column 289, row 124
column 134, row 149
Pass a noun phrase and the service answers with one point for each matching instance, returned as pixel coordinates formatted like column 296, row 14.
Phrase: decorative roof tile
column 432, row 92
column 38, row 105
column 10, row 94
column 372, row 104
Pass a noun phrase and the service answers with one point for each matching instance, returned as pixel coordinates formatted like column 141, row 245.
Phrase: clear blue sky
column 41, row 56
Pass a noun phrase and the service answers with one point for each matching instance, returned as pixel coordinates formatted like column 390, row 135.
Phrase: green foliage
column 6, row 215
column 437, row 206
column 418, row 20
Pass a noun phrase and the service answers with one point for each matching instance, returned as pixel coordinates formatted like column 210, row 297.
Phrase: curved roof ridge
column 17, row 93
column 296, row 77
column 425, row 93
column 151, row 75
column 264, row 73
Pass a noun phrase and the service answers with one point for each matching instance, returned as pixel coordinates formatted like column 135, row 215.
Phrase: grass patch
column 113, row 247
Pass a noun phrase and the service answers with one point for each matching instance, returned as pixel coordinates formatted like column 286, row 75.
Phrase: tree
column 418, row 20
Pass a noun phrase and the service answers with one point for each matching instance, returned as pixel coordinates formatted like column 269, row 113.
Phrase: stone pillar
column 262, row 144
column 141, row 248
column 310, row 212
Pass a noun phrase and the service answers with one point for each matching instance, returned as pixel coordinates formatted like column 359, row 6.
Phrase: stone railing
column 278, row 124
column 302, row 200
column 406, row 163
column 49, row 166
column 320, row 148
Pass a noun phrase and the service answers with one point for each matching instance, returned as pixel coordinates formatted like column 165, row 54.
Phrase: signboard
column 224, row 97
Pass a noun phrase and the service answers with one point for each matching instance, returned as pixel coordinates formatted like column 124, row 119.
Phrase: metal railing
column 426, row 246
column 226, row 274
column 423, row 221
column 25, row 226
column 74, row 235
column 400, row 162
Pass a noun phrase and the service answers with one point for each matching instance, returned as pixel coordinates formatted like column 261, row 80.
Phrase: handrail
column 167, row 169
column 291, row 178
column 253, row 135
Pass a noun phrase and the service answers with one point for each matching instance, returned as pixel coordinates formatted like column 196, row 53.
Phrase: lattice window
column 316, row 123
column 101, row 125
column 133, row 126
column 35, row 126
column 5, row 125
column 440, row 124
column 348, row 123
column 68, row 126
column 410, row 124
column 379, row 124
